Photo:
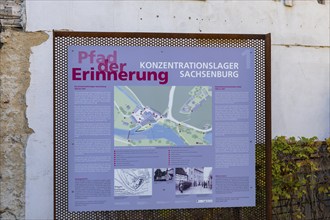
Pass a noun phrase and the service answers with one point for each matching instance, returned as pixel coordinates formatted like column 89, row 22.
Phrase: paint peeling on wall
column 14, row 129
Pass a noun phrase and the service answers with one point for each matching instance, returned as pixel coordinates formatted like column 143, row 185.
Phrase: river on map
column 156, row 132
column 208, row 138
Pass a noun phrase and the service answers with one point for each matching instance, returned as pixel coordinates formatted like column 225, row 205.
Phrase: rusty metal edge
column 157, row 35
column 268, row 126
column 54, row 129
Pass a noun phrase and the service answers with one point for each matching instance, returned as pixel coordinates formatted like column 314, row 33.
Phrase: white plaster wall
column 39, row 151
column 300, row 74
column 300, row 91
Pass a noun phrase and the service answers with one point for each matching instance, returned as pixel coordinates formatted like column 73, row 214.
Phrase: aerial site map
column 162, row 115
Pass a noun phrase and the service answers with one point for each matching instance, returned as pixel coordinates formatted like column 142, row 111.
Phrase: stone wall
column 14, row 129
column 12, row 14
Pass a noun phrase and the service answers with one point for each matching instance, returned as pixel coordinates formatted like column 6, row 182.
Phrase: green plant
column 295, row 177
column 328, row 144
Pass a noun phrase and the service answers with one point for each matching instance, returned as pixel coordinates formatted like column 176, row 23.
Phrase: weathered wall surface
column 14, row 129
column 12, row 13
column 300, row 42
column 300, row 74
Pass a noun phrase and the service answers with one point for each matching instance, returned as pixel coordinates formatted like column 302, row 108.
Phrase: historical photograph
column 163, row 174
column 193, row 180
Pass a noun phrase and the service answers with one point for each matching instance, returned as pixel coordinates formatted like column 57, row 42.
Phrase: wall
column 14, row 129
column 300, row 62
column 12, row 13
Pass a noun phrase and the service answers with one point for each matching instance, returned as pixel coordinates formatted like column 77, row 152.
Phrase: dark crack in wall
column 14, row 130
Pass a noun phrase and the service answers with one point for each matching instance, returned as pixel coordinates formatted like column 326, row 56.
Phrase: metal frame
column 62, row 39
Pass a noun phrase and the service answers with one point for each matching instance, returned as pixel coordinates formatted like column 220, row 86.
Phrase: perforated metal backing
column 64, row 39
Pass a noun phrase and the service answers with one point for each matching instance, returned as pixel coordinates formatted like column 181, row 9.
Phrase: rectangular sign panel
column 160, row 128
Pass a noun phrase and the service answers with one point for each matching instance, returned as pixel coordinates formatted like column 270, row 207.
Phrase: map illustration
column 162, row 115
column 133, row 182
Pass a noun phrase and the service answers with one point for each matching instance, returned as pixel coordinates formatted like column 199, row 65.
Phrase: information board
column 159, row 127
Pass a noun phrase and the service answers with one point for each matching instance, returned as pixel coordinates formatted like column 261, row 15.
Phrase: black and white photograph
column 163, row 174
column 193, row 180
